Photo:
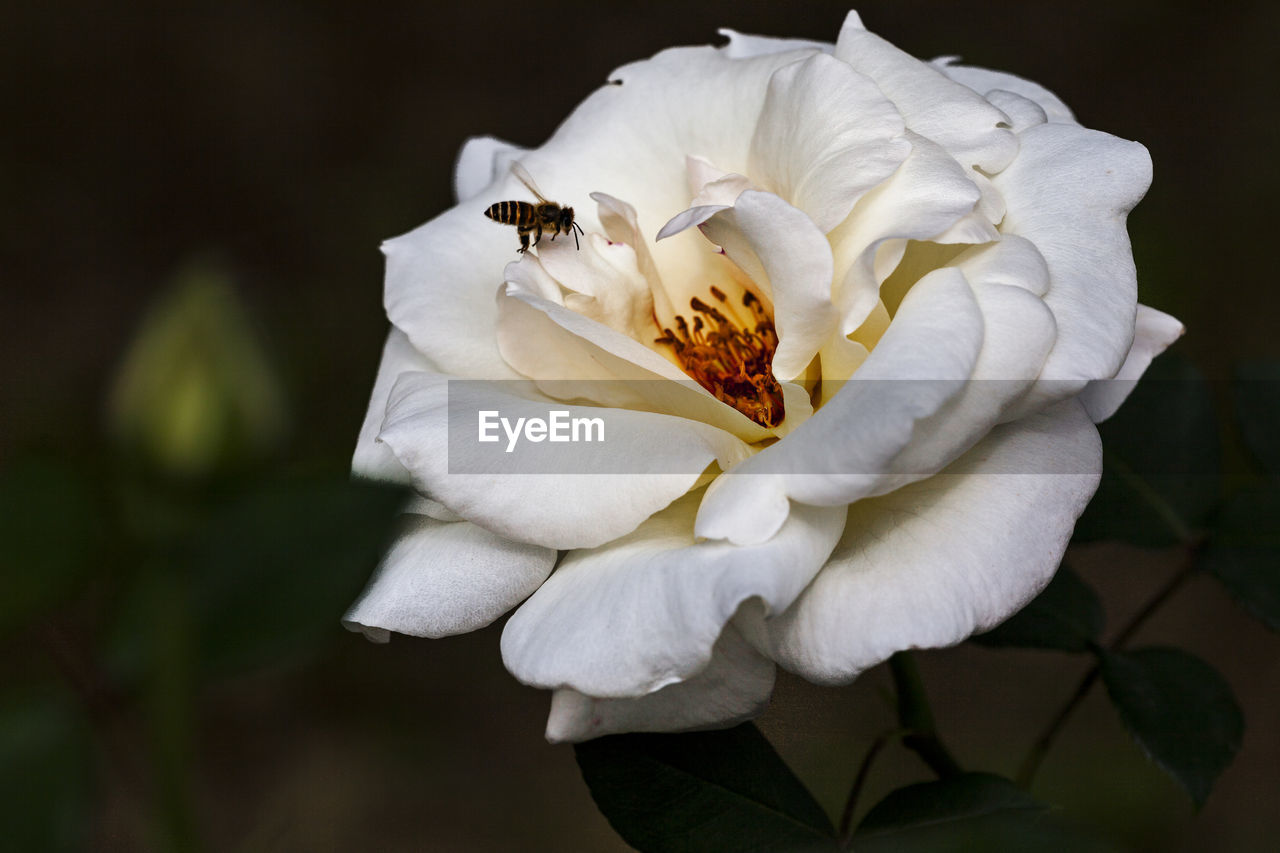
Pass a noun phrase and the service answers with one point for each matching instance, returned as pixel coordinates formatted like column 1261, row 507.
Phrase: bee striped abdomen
column 518, row 213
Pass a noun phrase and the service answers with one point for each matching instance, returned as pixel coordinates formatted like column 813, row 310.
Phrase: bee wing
column 525, row 178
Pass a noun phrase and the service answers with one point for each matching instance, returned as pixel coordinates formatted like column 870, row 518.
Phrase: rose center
column 730, row 353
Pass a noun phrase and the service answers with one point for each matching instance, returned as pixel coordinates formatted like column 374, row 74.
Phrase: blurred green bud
column 196, row 393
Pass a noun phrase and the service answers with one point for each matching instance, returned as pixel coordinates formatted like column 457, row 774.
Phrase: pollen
column 730, row 354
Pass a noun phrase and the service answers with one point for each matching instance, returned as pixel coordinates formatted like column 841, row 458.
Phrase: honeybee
column 531, row 218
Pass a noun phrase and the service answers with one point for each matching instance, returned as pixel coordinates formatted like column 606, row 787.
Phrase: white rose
column 942, row 286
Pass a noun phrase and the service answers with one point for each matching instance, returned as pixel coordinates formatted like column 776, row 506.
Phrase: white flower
column 927, row 284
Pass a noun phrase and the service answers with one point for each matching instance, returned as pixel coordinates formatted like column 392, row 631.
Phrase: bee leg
column 524, row 241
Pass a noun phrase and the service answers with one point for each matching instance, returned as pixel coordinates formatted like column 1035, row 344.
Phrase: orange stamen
column 731, row 361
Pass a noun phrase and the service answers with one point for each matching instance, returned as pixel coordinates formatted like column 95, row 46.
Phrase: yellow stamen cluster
column 729, row 356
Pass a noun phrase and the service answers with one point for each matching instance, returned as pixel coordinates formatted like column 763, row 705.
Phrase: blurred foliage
column 273, row 571
column 47, row 762
column 1244, row 553
column 1257, row 399
column 185, row 560
column 196, row 393
column 50, row 532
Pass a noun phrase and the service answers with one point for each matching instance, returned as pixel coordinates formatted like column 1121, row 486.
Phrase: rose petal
column 482, row 161
column 713, row 189
column 1068, row 194
column 932, row 563
column 443, row 299
column 733, row 688
column 640, row 613
column 372, row 458
column 826, row 135
column 621, row 225
column 605, row 283
column 839, row 358
column 569, row 510
column 928, row 194
column 843, row 452
column 1154, row 332
column 1022, row 111
column 1018, row 332
column 744, row 46
column 446, row 578
column 779, row 247
column 983, row 80
column 934, row 106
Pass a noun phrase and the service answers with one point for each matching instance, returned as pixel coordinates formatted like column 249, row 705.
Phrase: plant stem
column 860, row 781
column 1039, row 749
column 171, row 708
column 1030, row 764
column 916, row 718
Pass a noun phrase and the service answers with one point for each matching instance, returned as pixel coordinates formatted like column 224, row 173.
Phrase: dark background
column 286, row 140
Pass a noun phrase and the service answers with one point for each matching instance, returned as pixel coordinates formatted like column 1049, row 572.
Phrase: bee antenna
column 576, row 244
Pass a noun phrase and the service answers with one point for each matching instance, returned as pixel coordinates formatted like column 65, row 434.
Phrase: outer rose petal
column 734, row 687
column 984, row 80
column 482, row 161
column 952, row 115
column 569, row 510
column 742, row 45
column 643, row 612
column 372, row 458
column 443, row 297
column 1022, row 111
column 932, row 563
column 447, row 578
column 1154, row 332
column 1068, row 193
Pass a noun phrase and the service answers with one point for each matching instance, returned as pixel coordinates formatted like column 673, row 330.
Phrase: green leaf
column 1179, row 709
column 1066, row 616
column 1257, row 398
column 958, row 798
column 706, row 792
column 1244, row 553
column 48, row 527
column 47, row 765
column 274, row 573
column 972, row 811
column 1161, row 461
